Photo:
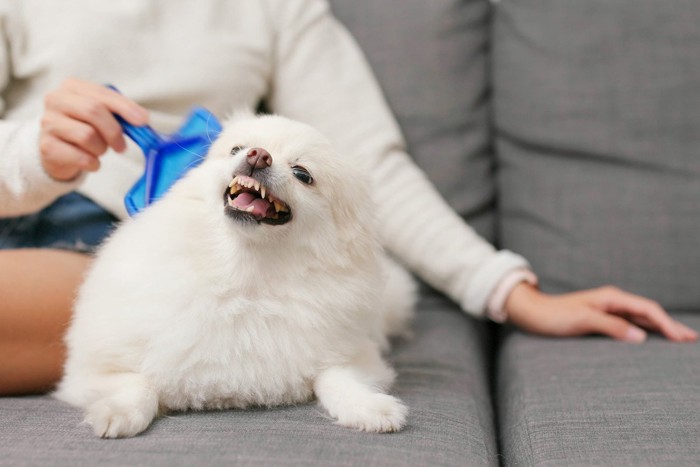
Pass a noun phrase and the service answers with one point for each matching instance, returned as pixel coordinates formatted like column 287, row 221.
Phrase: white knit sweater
column 222, row 54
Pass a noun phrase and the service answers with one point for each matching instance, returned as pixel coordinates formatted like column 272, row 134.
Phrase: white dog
column 256, row 281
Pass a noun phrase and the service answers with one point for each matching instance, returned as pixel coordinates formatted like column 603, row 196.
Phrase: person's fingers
column 75, row 132
column 114, row 101
column 640, row 321
column 614, row 300
column 606, row 310
column 689, row 334
column 613, row 326
column 683, row 333
column 62, row 160
column 91, row 112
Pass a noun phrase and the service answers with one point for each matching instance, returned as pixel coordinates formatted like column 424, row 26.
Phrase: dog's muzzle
column 249, row 200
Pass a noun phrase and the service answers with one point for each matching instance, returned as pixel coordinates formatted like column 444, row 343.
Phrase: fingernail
column 635, row 335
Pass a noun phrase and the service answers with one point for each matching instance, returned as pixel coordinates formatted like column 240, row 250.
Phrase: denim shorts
column 73, row 222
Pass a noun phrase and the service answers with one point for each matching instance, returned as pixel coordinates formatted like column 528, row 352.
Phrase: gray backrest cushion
column 431, row 60
column 597, row 110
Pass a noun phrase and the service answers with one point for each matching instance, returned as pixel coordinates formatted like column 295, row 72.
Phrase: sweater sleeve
column 24, row 186
column 322, row 78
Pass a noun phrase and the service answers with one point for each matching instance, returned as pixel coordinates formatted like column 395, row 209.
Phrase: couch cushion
column 595, row 401
column 441, row 378
column 431, row 59
column 597, row 109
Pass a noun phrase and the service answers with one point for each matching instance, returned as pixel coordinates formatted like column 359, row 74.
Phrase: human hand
column 605, row 310
column 78, row 126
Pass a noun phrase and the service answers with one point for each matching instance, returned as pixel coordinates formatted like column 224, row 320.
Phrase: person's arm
column 24, row 186
column 44, row 158
column 321, row 77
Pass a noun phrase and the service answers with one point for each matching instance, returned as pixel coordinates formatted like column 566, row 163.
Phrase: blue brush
column 169, row 157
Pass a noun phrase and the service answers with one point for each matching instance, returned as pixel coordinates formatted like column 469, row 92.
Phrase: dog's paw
column 379, row 413
column 109, row 419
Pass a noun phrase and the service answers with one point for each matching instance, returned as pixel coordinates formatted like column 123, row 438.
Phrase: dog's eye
column 235, row 149
column 302, row 174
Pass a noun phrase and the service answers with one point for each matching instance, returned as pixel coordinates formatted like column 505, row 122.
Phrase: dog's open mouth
column 248, row 199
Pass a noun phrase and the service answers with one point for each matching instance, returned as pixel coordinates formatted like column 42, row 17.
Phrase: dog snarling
column 247, row 198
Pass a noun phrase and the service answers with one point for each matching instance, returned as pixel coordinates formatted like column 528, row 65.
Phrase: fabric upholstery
column 442, row 378
column 595, row 401
column 597, row 112
column 431, row 60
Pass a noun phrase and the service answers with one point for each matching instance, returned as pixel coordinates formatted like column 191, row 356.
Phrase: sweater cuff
column 487, row 277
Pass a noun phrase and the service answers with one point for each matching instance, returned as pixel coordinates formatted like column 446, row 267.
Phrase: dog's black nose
column 258, row 158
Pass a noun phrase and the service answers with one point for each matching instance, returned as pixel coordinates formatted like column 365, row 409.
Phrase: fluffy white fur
column 186, row 307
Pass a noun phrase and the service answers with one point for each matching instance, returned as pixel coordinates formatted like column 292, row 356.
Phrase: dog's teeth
column 233, row 182
column 279, row 207
column 250, row 208
column 263, row 191
column 257, row 186
column 234, row 189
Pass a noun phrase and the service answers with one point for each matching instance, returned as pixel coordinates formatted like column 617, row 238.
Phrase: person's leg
column 37, row 289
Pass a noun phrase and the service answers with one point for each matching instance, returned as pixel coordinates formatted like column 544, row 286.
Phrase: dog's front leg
column 355, row 395
column 124, row 405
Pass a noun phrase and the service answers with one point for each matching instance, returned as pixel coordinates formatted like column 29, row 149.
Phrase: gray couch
column 565, row 130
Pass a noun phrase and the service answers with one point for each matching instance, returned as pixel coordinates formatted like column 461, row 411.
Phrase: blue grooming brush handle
column 144, row 136
column 168, row 158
